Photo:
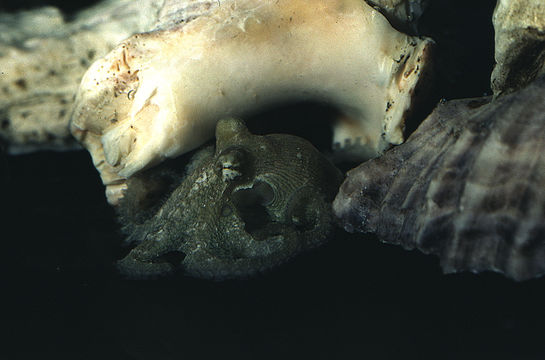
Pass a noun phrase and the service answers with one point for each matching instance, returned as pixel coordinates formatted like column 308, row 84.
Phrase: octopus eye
column 231, row 164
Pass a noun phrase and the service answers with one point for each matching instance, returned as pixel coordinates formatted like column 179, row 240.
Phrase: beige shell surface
column 467, row 186
column 519, row 28
column 159, row 94
column 43, row 56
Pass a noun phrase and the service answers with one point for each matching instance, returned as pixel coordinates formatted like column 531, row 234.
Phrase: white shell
column 42, row 60
column 160, row 94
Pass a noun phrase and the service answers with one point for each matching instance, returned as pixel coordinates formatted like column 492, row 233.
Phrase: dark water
column 354, row 298
column 68, row 7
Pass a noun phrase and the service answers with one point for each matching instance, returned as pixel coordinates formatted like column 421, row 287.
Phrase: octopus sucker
column 467, row 186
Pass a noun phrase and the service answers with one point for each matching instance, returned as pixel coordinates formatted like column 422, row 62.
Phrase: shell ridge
column 483, row 208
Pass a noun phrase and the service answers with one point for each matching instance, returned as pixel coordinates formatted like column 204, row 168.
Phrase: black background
column 353, row 298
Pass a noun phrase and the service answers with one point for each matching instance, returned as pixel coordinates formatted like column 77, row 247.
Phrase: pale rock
column 519, row 42
column 159, row 94
column 42, row 61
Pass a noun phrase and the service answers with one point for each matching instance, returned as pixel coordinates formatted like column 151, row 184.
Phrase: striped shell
column 468, row 186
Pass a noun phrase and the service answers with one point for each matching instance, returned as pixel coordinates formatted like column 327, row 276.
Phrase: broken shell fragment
column 159, row 94
column 43, row 59
column 519, row 44
column 467, row 186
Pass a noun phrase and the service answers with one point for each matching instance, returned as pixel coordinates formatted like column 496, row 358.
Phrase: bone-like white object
column 160, row 94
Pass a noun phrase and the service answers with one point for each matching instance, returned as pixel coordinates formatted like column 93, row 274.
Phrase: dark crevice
column 67, row 7
column 251, row 206
column 309, row 120
column 174, row 258
column 464, row 35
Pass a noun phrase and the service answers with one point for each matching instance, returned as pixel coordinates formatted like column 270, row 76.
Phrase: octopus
column 242, row 208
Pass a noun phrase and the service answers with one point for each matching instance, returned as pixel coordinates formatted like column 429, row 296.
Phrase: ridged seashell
column 467, row 186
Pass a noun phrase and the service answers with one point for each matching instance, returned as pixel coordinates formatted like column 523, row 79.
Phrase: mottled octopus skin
column 468, row 186
column 244, row 208
column 159, row 94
